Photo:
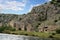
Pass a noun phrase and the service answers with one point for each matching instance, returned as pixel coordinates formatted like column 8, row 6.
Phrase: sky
column 19, row 6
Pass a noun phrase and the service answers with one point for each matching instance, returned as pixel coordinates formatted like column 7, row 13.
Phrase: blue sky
column 19, row 6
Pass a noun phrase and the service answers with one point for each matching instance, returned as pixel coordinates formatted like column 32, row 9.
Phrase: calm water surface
column 18, row 37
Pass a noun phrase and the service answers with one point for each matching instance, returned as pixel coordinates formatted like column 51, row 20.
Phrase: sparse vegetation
column 3, row 28
column 51, row 36
column 58, row 31
column 55, row 21
column 53, row 33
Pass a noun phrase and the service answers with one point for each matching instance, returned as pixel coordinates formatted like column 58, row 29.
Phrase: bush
column 13, row 29
column 6, row 31
column 2, row 28
column 51, row 36
column 20, row 18
column 51, row 2
column 59, row 18
column 58, row 31
column 10, row 28
column 26, row 34
column 45, row 3
column 53, row 33
column 55, row 20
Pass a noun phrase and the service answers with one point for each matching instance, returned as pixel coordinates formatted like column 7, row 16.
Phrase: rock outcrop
column 36, row 20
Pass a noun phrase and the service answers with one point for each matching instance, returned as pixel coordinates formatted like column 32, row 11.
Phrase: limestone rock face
column 0, row 24
column 11, row 23
column 41, row 18
column 48, row 28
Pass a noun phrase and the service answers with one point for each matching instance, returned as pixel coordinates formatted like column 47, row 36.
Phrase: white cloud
column 12, row 5
column 33, row 6
column 30, row 8
column 37, row 4
column 49, row 0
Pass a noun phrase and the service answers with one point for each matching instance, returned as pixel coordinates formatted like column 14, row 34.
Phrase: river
column 21, row 37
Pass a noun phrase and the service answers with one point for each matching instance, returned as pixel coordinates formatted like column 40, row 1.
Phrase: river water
column 19, row 37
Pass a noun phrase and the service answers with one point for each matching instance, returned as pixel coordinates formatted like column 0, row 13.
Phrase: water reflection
column 17, row 37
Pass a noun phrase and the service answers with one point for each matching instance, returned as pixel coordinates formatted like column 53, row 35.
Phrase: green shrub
column 20, row 18
column 26, row 34
column 12, row 29
column 6, row 31
column 51, row 36
column 55, row 2
column 59, row 18
column 51, row 2
column 53, row 33
column 58, row 31
column 55, row 20
column 2, row 28
column 46, row 3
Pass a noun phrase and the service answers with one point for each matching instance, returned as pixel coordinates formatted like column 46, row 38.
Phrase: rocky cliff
column 44, row 17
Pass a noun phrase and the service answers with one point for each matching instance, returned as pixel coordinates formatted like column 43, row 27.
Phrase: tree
column 2, row 28
column 55, row 1
column 58, row 31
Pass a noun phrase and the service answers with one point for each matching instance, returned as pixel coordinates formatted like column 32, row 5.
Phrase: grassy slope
column 35, row 34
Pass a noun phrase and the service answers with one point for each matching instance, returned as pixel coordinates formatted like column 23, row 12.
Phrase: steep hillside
column 5, row 18
column 45, row 17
